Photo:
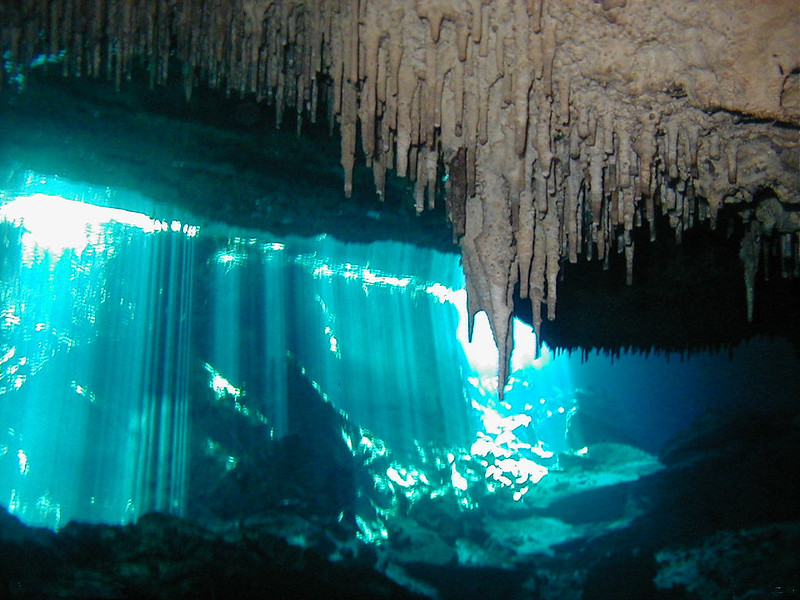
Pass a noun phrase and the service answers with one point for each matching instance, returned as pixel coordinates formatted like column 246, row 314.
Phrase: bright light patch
column 230, row 258
column 9, row 317
column 8, row 355
column 220, row 385
column 22, row 458
column 520, row 493
column 323, row 271
column 443, row 293
column 83, row 391
column 504, row 453
column 524, row 354
column 481, row 352
column 457, row 479
column 235, row 396
column 55, row 224
column 372, row 278
column 91, row 298
column 401, row 477
column 365, row 275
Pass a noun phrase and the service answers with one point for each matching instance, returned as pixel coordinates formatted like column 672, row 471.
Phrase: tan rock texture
column 558, row 126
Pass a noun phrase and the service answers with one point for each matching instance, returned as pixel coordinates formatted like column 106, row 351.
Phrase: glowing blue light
column 349, row 364
column 64, row 314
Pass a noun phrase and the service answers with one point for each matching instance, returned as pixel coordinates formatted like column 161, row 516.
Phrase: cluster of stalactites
column 270, row 49
column 543, row 163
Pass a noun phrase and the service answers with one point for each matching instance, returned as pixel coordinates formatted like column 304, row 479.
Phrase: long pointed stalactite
column 557, row 127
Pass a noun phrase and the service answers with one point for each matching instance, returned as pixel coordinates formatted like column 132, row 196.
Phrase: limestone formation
column 561, row 125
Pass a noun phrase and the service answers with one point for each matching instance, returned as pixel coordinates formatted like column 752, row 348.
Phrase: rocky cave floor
column 715, row 516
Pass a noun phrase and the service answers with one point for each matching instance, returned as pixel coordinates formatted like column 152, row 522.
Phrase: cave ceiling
column 563, row 148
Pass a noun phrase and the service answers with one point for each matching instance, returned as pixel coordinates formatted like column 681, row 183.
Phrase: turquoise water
column 122, row 319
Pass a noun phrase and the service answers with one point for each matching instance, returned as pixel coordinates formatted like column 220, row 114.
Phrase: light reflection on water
column 96, row 425
column 102, row 327
column 109, row 318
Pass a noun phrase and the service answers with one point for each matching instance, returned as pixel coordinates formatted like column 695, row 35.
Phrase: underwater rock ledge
column 163, row 556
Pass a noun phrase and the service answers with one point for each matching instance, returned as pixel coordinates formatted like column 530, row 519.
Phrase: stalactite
column 496, row 253
column 431, row 168
column 563, row 99
column 596, row 162
column 471, row 118
column 406, row 95
column 379, row 176
column 441, row 76
column 536, row 285
column 347, row 129
column 543, row 139
column 483, row 108
column 623, row 158
column 572, row 214
column 524, row 238
column 458, row 98
column 691, row 135
column 477, row 285
column 535, row 9
column 433, row 13
column 522, row 79
column 456, row 193
column 645, row 148
column 371, row 34
column 552, row 255
column 730, row 158
column 714, row 151
column 749, row 254
column 541, row 146
column 548, row 56
column 671, row 151
column 421, row 180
